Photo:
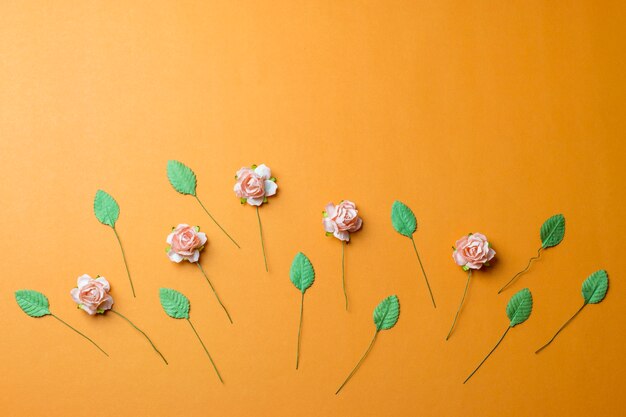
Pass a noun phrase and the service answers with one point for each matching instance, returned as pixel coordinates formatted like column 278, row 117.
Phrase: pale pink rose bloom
column 185, row 242
column 342, row 219
column 473, row 251
column 92, row 295
column 254, row 184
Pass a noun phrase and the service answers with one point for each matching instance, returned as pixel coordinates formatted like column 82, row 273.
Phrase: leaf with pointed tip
column 33, row 303
column 403, row 219
column 386, row 313
column 181, row 177
column 302, row 273
column 519, row 307
column 106, row 209
column 595, row 287
column 175, row 304
column 552, row 231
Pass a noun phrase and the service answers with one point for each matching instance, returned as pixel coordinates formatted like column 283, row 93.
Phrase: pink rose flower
column 185, row 242
column 92, row 295
column 342, row 219
column 255, row 184
column 473, row 251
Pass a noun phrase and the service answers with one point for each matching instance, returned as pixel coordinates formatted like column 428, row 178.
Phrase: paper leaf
column 595, row 287
column 181, row 177
column 175, row 304
column 106, row 208
column 519, row 307
column 403, row 219
column 302, row 273
column 552, row 231
column 33, row 303
column 386, row 313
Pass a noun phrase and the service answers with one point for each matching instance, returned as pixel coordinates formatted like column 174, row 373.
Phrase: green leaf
column 386, row 313
column 175, row 304
column 181, row 177
column 106, row 208
column 403, row 219
column 595, row 287
column 302, row 273
column 34, row 303
column 519, row 307
column 552, row 231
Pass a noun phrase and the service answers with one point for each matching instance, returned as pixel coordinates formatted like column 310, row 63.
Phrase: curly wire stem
column 215, row 221
column 132, row 287
column 343, row 272
column 91, row 341
column 469, row 275
column 206, row 350
column 258, row 216
column 534, row 258
column 369, row 348
column 214, row 292
column 423, row 272
column 299, row 331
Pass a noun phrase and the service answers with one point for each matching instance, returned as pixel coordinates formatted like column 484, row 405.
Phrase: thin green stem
column 469, row 276
column 358, row 363
column 214, row 292
column 207, row 352
column 258, row 216
column 125, row 263
column 91, row 341
column 141, row 331
column 215, row 221
column 343, row 272
column 561, row 328
column 534, row 258
column 489, row 354
column 423, row 272
column 299, row 331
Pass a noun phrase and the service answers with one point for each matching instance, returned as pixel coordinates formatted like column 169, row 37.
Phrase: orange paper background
column 481, row 116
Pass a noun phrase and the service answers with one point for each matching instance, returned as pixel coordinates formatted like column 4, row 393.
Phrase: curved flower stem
column 423, row 272
column 561, row 328
column 489, row 354
column 261, row 234
column 92, row 342
column 359, row 362
column 141, row 331
column 214, row 292
column 469, row 275
column 207, row 352
column 534, row 258
column 215, row 221
column 343, row 272
column 299, row 331
column 125, row 263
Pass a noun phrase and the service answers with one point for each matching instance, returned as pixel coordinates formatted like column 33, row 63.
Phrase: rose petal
column 104, row 282
column 169, row 238
column 255, row 201
column 83, row 280
column 74, row 293
column 330, row 209
column 329, row 225
column 270, row 188
column 202, row 237
column 458, row 258
column 174, row 257
column 194, row 257
column 89, row 310
column 342, row 235
column 263, row 171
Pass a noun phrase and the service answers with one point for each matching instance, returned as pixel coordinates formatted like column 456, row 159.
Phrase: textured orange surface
column 481, row 116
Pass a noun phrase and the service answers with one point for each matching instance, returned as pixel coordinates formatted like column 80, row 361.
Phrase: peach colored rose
column 255, row 184
column 185, row 242
column 342, row 219
column 92, row 295
column 473, row 251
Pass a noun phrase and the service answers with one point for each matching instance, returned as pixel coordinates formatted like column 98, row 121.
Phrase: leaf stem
column 141, row 331
column 469, row 276
column 369, row 348
column 534, row 258
column 299, row 330
column 215, row 221
column 92, row 342
column 132, row 287
column 261, row 234
column 343, row 272
column 489, row 354
column 561, row 328
column 423, row 272
column 207, row 352
column 214, row 292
